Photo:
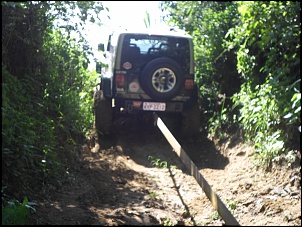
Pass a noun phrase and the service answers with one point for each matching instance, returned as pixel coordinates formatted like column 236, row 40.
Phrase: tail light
column 189, row 84
column 120, row 80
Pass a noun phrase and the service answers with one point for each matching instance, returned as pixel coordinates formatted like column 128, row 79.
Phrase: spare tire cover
column 162, row 79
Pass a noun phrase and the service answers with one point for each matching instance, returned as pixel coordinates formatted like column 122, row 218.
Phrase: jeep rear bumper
column 131, row 106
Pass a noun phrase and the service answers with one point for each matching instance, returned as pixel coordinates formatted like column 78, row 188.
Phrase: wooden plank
column 212, row 196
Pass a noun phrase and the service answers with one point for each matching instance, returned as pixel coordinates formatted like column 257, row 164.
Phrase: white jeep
column 145, row 73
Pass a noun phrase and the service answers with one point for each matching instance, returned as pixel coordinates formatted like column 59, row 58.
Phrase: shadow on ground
column 134, row 134
column 97, row 193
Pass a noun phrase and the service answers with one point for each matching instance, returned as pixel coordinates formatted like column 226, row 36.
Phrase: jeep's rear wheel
column 103, row 116
column 162, row 79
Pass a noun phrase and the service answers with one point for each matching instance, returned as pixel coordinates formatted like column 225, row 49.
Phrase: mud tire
column 103, row 115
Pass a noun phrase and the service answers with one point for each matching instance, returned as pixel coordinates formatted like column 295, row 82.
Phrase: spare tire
column 162, row 79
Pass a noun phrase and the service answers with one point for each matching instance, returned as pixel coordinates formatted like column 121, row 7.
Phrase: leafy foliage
column 248, row 53
column 46, row 92
column 208, row 23
column 15, row 213
column 157, row 162
column 268, row 59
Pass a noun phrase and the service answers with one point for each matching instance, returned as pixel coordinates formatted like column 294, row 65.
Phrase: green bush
column 249, row 52
column 16, row 213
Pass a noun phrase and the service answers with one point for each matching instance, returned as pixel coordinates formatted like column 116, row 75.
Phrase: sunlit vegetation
column 46, row 97
column 247, row 57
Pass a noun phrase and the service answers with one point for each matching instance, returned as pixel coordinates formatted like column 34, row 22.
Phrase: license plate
column 157, row 106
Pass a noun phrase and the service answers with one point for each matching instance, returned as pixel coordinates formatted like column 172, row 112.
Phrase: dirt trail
column 124, row 185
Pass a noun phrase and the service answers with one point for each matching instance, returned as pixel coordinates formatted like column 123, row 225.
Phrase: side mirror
column 101, row 47
column 109, row 43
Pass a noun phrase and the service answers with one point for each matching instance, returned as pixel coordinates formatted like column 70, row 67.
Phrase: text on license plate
column 158, row 106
